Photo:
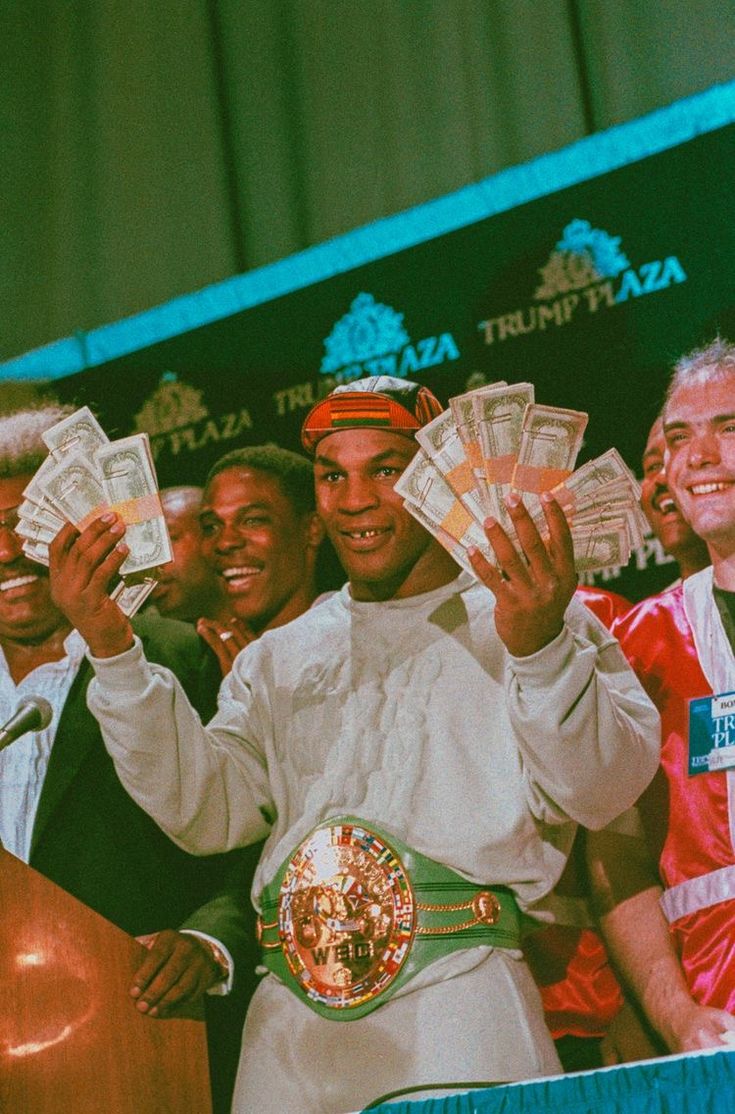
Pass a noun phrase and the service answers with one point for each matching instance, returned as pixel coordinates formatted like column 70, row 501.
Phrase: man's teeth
column 365, row 533
column 237, row 574
column 16, row 582
column 666, row 504
column 707, row 489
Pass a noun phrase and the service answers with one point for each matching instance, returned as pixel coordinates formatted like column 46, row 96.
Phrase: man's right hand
column 698, row 1027
column 81, row 568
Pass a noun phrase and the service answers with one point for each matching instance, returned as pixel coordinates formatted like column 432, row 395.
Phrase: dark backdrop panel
column 592, row 313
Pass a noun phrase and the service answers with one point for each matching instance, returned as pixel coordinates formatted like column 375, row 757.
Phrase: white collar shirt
column 23, row 764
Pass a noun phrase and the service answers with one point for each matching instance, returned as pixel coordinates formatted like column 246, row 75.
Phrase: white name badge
column 712, row 733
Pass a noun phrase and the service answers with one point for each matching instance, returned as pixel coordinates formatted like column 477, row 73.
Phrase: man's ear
column 314, row 530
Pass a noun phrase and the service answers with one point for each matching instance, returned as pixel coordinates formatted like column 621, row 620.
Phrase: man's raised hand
column 532, row 586
column 81, row 568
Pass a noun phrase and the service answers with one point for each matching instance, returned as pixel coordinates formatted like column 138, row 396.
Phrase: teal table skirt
column 691, row 1084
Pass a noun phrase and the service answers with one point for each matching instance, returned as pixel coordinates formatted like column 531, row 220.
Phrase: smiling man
column 677, row 948
column 416, row 750
column 187, row 587
column 260, row 539
column 260, row 534
column 664, row 517
column 384, row 551
column 62, row 807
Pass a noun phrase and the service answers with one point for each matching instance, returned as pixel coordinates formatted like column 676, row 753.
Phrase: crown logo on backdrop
column 369, row 330
column 171, row 406
column 584, row 255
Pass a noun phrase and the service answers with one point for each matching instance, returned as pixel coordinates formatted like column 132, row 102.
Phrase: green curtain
column 150, row 147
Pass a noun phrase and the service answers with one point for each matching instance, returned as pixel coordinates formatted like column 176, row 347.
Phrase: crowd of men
column 443, row 745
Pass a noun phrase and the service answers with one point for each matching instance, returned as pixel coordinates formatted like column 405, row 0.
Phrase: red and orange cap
column 379, row 402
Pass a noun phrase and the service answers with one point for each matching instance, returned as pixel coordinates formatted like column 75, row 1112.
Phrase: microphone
column 32, row 714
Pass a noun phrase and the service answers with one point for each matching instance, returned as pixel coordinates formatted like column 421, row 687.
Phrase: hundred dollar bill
column 620, row 488
column 600, row 547
column 34, row 491
column 80, row 433
column 74, row 490
column 617, row 510
column 441, row 441
column 422, row 486
column 621, row 496
column 131, row 597
column 604, row 484
column 463, row 409
column 642, row 526
column 452, row 546
column 586, row 482
column 36, row 523
column 34, row 512
column 617, row 496
column 551, row 437
column 131, row 489
column 499, row 415
column 37, row 551
column 615, row 492
column 34, row 531
column 432, row 502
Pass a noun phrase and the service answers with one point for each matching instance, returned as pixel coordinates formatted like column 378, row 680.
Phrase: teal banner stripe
column 589, row 158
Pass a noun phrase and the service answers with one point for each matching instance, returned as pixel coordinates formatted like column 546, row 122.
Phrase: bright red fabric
column 686, row 818
column 578, row 989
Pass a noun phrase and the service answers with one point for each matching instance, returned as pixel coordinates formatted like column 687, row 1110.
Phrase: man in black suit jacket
column 64, row 809
column 90, row 837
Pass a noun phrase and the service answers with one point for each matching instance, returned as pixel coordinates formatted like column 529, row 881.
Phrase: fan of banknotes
column 86, row 474
column 498, row 439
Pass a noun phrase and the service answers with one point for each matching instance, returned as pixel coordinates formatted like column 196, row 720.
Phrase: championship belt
column 347, row 919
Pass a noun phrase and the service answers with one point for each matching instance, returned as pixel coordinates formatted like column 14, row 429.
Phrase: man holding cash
column 416, row 750
column 677, row 949
column 62, row 807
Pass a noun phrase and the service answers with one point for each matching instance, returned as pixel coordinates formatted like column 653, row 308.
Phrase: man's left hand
column 533, row 586
column 225, row 641
column 178, row 969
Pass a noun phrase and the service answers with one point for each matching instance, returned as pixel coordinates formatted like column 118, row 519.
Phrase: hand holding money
column 86, row 475
column 532, row 586
column 81, row 566
column 497, row 442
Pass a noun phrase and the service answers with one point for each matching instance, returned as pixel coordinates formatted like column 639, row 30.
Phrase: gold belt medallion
column 346, row 915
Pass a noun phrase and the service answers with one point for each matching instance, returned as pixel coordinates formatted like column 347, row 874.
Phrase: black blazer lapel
column 76, row 733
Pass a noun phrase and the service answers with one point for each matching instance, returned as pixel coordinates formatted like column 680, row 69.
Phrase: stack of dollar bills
column 496, row 440
column 86, row 474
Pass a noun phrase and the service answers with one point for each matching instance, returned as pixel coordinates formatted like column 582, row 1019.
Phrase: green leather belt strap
column 450, row 913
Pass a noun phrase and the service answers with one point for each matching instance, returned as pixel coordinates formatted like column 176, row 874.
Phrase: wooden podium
column 70, row 1036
